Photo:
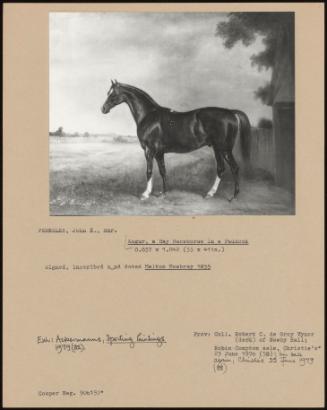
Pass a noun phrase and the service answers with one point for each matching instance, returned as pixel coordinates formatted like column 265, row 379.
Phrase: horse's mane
column 143, row 93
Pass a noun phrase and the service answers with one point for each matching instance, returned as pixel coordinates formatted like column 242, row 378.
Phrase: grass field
column 100, row 176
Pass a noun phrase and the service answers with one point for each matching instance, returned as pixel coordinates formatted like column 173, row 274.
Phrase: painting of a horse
column 161, row 130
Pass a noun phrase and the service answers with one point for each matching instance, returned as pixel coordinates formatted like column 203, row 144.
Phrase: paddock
column 106, row 176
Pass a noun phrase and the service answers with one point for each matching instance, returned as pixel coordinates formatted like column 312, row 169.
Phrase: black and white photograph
column 171, row 113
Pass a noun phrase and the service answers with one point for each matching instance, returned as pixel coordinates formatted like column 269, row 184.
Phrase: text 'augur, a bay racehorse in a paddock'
column 161, row 130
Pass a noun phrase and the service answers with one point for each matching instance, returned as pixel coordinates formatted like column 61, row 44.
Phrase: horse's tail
column 245, row 135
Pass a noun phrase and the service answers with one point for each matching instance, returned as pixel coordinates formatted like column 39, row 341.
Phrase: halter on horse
column 161, row 130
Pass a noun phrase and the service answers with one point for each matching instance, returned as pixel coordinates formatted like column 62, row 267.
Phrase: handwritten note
column 282, row 348
column 78, row 344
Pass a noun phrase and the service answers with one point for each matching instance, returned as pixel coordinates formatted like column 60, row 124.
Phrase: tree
column 60, row 132
column 246, row 27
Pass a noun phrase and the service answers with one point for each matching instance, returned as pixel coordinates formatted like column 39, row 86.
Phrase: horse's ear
column 112, row 82
column 116, row 82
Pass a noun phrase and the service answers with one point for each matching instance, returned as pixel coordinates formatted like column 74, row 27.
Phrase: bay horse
column 161, row 130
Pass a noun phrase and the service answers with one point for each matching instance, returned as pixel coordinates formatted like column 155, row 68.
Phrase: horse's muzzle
column 105, row 110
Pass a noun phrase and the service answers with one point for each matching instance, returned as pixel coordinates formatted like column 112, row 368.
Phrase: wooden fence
column 262, row 150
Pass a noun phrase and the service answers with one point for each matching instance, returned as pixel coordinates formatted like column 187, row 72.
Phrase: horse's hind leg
column 229, row 157
column 162, row 169
column 149, row 162
column 220, row 171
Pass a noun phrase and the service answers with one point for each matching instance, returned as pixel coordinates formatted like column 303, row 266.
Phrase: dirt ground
column 97, row 176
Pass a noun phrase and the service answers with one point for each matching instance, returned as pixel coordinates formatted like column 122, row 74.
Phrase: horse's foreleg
column 229, row 157
column 149, row 186
column 220, row 171
column 162, row 169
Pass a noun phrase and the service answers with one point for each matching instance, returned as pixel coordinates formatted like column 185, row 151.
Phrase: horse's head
column 115, row 97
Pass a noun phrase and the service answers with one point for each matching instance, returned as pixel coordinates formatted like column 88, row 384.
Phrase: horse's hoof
column 144, row 198
column 208, row 196
column 162, row 194
column 232, row 198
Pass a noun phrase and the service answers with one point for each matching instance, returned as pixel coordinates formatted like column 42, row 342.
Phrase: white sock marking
column 214, row 187
column 148, row 190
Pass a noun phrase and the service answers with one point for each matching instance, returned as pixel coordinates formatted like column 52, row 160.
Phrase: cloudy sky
column 174, row 57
